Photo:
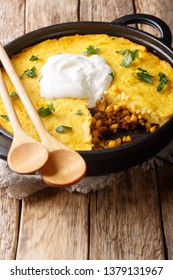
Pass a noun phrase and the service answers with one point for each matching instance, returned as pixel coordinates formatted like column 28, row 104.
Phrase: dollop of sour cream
column 76, row 76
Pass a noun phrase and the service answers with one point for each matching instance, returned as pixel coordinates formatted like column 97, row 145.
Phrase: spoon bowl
column 26, row 156
column 64, row 167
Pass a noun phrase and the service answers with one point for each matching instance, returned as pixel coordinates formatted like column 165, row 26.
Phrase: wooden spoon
column 64, row 166
column 26, row 155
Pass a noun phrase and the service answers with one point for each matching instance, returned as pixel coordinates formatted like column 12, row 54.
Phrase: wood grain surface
column 9, row 223
column 54, row 226
column 11, row 26
column 126, row 218
column 133, row 218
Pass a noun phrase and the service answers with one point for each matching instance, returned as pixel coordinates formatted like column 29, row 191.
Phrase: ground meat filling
column 113, row 126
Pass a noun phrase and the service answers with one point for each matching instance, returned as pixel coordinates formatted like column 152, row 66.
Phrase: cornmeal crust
column 138, row 96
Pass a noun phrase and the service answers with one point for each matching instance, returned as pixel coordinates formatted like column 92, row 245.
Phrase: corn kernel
column 111, row 144
column 128, row 119
column 127, row 139
column 98, row 102
column 148, row 125
column 114, row 143
column 125, row 112
column 118, row 141
column 117, row 108
column 113, row 126
column 98, row 124
column 153, row 128
column 102, row 106
column 109, row 109
column 134, row 118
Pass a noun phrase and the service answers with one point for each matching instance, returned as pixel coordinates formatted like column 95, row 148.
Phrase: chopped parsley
column 13, row 94
column 162, row 81
column 144, row 75
column 111, row 74
column 30, row 73
column 92, row 50
column 5, row 117
column 63, row 128
column 79, row 112
column 129, row 56
column 47, row 111
column 33, row 57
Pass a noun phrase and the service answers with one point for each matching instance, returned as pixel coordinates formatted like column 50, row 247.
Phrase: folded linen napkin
column 20, row 186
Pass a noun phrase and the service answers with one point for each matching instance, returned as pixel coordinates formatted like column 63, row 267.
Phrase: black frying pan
column 145, row 145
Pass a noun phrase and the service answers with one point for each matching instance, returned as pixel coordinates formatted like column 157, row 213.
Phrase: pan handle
column 157, row 23
column 5, row 144
column 3, row 153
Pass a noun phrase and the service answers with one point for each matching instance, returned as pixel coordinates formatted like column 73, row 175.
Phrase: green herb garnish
column 30, row 73
column 129, row 56
column 79, row 112
column 62, row 128
column 111, row 74
column 163, row 81
column 5, row 117
column 92, row 50
column 47, row 111
column 33, row 57
column 13, row 94
column 144, row 75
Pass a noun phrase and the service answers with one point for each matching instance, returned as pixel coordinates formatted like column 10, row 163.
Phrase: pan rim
column 133, row 34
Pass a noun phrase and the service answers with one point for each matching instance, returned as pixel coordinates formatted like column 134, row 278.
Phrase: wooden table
column 133, row 218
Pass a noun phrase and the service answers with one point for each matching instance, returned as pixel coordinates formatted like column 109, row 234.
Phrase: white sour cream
column 76, row 76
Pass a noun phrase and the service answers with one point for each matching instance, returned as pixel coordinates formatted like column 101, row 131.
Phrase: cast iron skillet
column 146, row 145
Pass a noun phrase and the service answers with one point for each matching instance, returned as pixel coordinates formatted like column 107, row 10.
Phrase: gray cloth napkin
column 20, row 186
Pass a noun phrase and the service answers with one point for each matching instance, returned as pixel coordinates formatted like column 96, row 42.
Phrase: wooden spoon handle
column 8, row 105
column 22, row 93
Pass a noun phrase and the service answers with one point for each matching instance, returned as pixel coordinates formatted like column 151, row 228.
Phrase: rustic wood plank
column 9, row 222
column 52, row 12
column 12, row 26
column 11, row 19
column 163, row 9
column 165, row 184
column 104, row 10
column 126, row 219
column 54, row 225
